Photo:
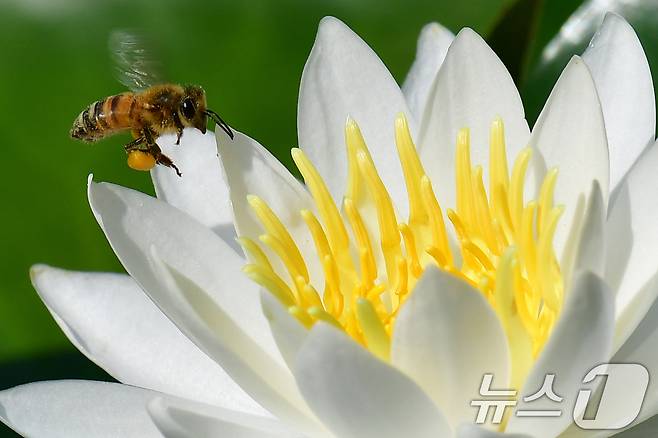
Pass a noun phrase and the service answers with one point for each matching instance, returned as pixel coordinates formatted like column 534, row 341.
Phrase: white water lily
column 381, row 308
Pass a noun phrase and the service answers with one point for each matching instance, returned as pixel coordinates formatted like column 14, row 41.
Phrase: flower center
column 371, row 260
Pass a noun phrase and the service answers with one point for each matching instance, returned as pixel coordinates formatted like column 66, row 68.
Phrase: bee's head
column 193, row 108
column 195, row 113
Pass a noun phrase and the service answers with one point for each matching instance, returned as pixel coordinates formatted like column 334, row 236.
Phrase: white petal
column 472, row 431
column 344, row 77
column 77, row 409
column 110, row 319
column 133, row 222
column 645, row 429
column 250, row 169
column 633, row 241
column 201, row 192
column 586, row 246
column 581, row 339
column 184, row 419
column 446, row 338
column 472, row 88
column 623, row 81
column 205, row 323
column 642, row 347
column 570, row 134
column 208, row 299
column 357, row 395
column 288, row 333
column 431, row 50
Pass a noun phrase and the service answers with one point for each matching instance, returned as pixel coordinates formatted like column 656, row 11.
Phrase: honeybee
column 150, row 110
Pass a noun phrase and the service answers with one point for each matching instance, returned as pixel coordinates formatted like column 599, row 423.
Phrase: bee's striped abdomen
column 104, row 117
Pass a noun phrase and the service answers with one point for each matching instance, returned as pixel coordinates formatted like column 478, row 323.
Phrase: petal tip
column 38, row 270
column 433, row 29
column 330, row 26
column 468, row 34
column 613, row 18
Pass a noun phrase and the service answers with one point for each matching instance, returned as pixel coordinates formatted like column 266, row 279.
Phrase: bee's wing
column 135, row 66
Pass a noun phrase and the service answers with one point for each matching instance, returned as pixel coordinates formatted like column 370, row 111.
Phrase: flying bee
column 150, row 110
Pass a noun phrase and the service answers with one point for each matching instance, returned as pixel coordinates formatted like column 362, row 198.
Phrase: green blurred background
column 249, row 56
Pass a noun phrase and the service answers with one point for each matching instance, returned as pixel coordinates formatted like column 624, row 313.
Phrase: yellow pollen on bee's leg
column 371, row 259
column 140, row 160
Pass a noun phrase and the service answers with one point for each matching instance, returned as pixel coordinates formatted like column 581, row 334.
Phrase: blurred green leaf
column 514, row 34
column 558, row 38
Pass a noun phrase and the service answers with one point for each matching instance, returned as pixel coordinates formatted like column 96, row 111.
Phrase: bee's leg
column 179, row 127
column 155, row 150
column 135, row 144
column 161, row 158
column 148, row 136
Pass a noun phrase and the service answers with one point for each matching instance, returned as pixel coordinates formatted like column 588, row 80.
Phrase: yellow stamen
column 388, row 226
column 272, row 282
column 254, row 253
column 336, row 232
column 505, row 245
column 366, row 256
column 279, row 232
column 377, row 339
column 439, row 239
column 413, row 173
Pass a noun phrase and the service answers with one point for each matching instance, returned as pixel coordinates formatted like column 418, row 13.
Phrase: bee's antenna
column 218, row 120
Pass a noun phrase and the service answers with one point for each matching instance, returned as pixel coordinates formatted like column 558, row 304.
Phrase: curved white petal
column 431, row 50
column 288, row 333
column 472, row 88
column 206, row 323
column 133, row 222
column 446, row 338
column 110, row 319
column 344, row 77
column 201, row 192
column 250, row 169
column 184, row 419
column 633, row 241
column 642, row 347
column 581, row 339
column 357, row 395
column 623, row 81
column 586, row 246
column 78, row 409
column 644, row 429
column 570, row 134
column 473, row 431
column 197, row 283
